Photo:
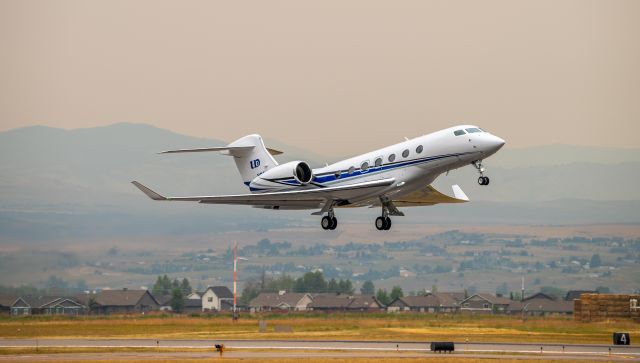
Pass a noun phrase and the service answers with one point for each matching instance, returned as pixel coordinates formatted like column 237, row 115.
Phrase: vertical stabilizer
column 251, row 156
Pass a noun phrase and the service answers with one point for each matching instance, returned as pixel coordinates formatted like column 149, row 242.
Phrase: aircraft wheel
column 387, row 224
column 481, row 180
column 325, row 222
column 380, row 223
column 334, row 223
column 486, row 180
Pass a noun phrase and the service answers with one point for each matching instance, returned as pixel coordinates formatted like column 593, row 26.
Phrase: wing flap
column 430, row 196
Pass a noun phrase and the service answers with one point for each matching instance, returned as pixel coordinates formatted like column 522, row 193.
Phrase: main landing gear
column 383, row 223
column 482, row 180
column 329, row 222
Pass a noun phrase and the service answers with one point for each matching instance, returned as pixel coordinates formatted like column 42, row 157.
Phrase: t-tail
column 251, row 156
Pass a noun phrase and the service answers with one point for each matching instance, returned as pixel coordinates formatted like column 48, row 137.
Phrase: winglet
column 150, row 193
column 458, row 193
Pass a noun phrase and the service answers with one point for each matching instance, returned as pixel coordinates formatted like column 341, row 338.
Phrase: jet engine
column 293, row 173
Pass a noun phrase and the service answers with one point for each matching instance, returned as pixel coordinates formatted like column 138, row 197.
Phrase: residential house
column 344, row 302
column 541, row 304
column 5, row 303
column 192, row 306
column 123, row 301
column 430, row 303
column 575, row 294
column 213, row 297
column 196, row 295
column 485, row 303
column 47, row 305
column 270, row 301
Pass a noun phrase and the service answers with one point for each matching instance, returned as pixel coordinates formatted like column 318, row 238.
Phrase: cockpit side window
column 471, row 130
column 459, row 132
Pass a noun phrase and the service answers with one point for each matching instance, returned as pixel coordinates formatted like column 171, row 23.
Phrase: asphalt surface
column 306, row 348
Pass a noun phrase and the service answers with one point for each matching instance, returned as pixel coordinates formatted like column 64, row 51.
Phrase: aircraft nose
column 494, row 144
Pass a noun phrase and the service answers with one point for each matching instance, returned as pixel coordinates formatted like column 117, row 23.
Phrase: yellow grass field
column 401, row 327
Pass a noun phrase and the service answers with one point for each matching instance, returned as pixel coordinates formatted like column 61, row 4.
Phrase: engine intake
column 303, row 173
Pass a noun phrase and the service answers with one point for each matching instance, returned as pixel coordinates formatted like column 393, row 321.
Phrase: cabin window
column 364, row 166
column 392, row 157
column 459, row 132
column 419, row 149
column 471, row 130
column 337, row 174
column 405, row 153
column 378, row 161
column 352, row 170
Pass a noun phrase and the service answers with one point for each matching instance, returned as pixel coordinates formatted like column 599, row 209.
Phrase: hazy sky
column 333, row 76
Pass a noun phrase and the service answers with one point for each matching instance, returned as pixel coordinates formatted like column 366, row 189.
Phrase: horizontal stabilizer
column 150, row 193
column 230, row 150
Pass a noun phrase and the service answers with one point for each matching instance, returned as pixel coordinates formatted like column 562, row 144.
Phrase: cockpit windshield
column 471, row 130
column 459, row 132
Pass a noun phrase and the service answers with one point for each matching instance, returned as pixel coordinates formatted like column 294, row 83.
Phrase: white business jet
column 395, row 176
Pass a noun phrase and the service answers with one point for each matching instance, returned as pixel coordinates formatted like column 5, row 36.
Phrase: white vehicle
column 395, row 176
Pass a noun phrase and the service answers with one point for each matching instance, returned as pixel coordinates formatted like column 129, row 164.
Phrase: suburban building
column 269, row 301
column 123, row 301
column 5, row 303
column 430, row 303
column 541, row 304
column 213, row 297
column 192, row 306
column 485, row 303
column 47, row 305
column 344, row 302
column 575, row 294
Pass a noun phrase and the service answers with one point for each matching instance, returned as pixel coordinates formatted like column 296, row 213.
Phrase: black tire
column 380, row 223
column 481, row 180
column 486, row 180
column 387, row 224
column 325, row 222
column 334, row 223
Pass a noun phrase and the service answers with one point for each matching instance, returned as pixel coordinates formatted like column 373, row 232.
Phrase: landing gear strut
column 383, row 223
column 482, row 180
column 329, row 221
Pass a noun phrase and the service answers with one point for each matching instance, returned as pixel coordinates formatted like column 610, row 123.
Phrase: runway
column 313, row 348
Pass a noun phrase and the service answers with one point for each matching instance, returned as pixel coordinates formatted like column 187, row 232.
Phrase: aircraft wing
column 430, row 196
column 304, row 198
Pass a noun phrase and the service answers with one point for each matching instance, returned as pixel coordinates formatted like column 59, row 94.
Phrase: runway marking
column 391, row 349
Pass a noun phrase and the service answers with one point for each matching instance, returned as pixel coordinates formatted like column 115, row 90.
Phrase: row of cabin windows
column 378, row 162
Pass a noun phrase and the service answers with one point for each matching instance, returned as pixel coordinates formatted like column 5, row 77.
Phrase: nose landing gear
column 482, row 180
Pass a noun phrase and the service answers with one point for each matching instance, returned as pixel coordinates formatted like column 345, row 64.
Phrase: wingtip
column 150, row 193
column 458, row 193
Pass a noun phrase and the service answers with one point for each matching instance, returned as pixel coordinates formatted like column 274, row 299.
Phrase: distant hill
column 64, row 183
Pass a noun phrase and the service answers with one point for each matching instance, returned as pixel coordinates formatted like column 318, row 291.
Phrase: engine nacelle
column 291, row 174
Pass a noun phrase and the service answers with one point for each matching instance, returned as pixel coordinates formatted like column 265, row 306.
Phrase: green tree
column 332, row 286
column 368, row 288
column 396, row 292
column 502, row 290
column 185, row 286
column 596, row 261
column 603, row 290
column 249, row 292
column 177, row 300
column 383, row 296
column 162, row 287
column 345, row 286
